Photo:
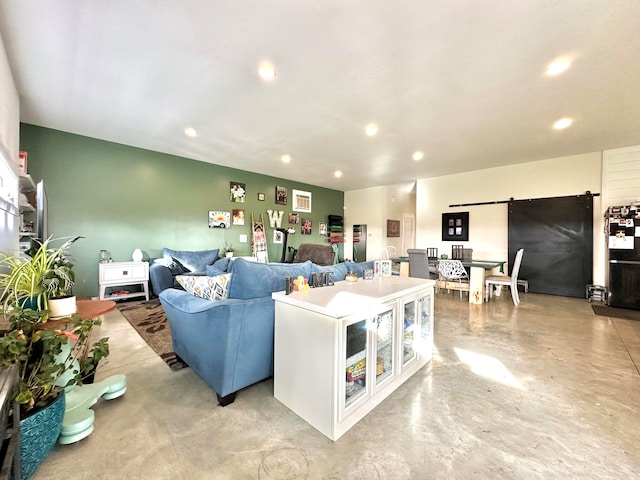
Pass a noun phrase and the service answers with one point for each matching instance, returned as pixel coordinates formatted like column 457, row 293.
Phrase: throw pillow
column 212, row 271
column 193, row 261
column 222, row 264
column 209, row 288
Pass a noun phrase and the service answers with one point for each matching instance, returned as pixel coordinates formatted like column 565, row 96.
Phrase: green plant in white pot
column 42, row 274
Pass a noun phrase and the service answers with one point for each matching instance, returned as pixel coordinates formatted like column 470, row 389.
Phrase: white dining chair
column 510, row 281
column 451, row 271
column 390, row 252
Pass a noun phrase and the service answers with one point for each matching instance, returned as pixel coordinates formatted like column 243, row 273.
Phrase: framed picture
column 281, row 196
column 261, row 197
column 306, row 228
column 238, row 216
column 294, row 218
column 301, row 201
column 393, row 228
column 278, row 236
column 376, row 268
column 237, row 192
column 385, row 268
column 455, row 227
column 218, row 219
column 322, row 228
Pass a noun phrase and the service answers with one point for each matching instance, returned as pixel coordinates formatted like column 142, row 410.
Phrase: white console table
column 119, row 274
column 341, row 350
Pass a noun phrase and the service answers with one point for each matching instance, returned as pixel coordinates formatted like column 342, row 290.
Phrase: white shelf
column 27, row 234
column 27, row 207
column 26, row 183
column 116, row 297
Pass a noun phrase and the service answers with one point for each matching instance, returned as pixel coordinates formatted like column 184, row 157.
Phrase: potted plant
column 228, row 250
column 32, row 280
column 48, row 354
column 59, row 280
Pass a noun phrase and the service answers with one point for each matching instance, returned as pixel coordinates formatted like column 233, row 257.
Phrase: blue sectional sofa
column 164, row 270
column 229, row 342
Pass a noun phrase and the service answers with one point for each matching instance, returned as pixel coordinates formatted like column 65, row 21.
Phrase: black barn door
column 557, row 237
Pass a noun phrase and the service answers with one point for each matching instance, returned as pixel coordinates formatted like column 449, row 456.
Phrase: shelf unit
column 26, row 186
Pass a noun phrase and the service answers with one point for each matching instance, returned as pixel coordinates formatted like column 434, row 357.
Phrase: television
column 42, row 227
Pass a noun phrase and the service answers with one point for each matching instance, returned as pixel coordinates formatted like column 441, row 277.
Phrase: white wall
column 373, row 207
column 488, row 224
column 9, row 146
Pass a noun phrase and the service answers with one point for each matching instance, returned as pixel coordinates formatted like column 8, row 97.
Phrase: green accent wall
column 121, row 198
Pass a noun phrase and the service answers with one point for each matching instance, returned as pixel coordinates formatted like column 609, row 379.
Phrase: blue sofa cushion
column 223, row 264
column 255, row 279
column 212, row 271
column 339, row 270
column 359, row 267
column 190, row 261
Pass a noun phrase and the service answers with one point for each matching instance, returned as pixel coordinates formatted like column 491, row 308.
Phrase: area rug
column 150, row 321
column 614, row 312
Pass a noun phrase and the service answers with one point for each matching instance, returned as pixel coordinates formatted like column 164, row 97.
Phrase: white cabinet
column 120, row 274
column 341, row 350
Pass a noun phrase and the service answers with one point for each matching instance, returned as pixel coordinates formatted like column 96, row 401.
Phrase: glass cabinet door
column 425, row 302
column 409, row 331
column 383, row 327
column 356, row 362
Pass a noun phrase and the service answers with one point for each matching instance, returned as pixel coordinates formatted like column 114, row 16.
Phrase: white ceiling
column 461, row 80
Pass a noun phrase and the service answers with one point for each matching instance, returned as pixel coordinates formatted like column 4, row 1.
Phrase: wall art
column 218, row 219
column 281, row 196
column 237, row 192
column 455, row 227
column 301, row 201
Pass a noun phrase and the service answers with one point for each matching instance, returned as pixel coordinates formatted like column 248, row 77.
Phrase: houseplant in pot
column 45, row 353
column 228, row 251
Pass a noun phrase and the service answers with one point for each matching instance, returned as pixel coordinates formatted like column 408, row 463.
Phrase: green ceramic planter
column 38, row 435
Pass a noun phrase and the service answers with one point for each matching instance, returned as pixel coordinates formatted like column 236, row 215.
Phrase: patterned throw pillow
column 209, row 288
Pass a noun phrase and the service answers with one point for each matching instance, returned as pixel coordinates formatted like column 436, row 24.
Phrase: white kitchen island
column 340, row 350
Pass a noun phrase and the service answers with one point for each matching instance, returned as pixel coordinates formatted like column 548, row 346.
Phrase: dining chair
column 418, row 263
column 390, row 252
column 510, row 281
column 432, row 255
column 452, row 270
column 457, row 252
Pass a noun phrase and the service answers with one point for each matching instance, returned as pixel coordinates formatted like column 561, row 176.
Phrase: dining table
column 478, row 271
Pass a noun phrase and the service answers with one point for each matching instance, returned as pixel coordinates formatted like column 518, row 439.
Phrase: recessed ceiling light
column 190, row 132
column 371, row 129
column 338, row 173
column 267, row 72
column 562, row 123
column 417, row 155
column 285, row 158
column 557, row 67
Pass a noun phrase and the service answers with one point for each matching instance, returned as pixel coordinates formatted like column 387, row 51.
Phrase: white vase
column 137, row 255
column 228, row 254
column 62, row 307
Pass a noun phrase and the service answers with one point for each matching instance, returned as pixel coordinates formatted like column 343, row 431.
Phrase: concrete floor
column 544, row 391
